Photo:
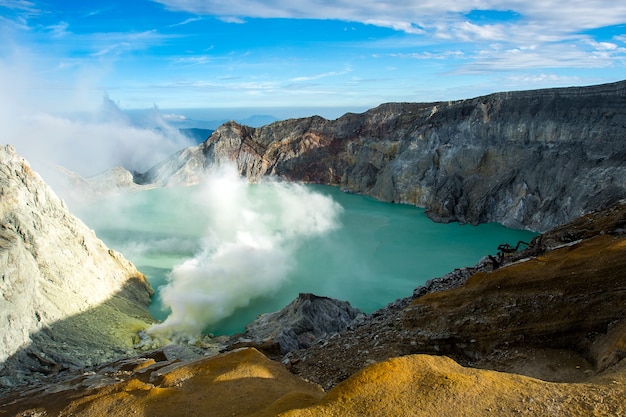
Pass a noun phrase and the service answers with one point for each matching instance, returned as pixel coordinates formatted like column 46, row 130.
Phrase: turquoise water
column 378, row 253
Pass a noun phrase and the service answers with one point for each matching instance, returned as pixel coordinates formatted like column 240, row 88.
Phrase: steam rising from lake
column 248, row 250
column 232, row 250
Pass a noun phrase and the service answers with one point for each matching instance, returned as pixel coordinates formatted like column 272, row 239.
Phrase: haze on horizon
column 326, row 57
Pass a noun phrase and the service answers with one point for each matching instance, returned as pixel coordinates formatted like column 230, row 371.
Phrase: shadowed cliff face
column 98, row 334
column 533, row 159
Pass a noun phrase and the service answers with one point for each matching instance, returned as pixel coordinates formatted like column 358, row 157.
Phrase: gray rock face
column 65, row 298
column 529, row 159
column 303, row 322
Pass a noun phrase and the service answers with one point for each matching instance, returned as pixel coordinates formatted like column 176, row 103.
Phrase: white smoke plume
column 92, row 143
column 248, row 251
column 85, row 133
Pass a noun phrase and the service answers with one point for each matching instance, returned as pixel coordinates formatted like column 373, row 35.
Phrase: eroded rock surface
column 66, row 299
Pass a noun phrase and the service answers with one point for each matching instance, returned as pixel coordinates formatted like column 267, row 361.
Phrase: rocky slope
column 528, row 159
column 549, row 319
column 554, row 311
column 66, row 299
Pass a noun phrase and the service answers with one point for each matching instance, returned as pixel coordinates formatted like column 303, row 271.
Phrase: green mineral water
column 370, row 254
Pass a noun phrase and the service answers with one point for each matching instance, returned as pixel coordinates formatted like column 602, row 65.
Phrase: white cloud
column 93, row 12
column 223, row 85
column 16, row 15
column 322, row 75
column 467, row 31
column 544, row 56
column 603, row 46
column 532, row 34
column 115, row 48
column 18, row 23
column 59, row 30
column 174, row 117
column 407, row 27
column 24, row 6
column 119, row 42
column 192, row 60
column 232, row 19
column 541, row 78
column 430, row 55
column 554, row 17
column 186, row 22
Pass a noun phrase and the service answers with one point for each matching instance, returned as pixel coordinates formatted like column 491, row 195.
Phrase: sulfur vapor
column 247, row 252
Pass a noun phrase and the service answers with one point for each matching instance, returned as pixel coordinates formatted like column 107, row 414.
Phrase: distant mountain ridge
column 255, row 120
column 526, row 159
column 198, row 135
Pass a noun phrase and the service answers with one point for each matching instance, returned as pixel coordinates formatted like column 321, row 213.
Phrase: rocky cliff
column 66, row 299
column 528, row 159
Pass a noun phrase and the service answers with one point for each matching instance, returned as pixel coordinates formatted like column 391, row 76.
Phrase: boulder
column 302, row 323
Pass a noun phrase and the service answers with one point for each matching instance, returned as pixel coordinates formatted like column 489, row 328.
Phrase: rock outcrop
column 300, row 324
column 66, row 299
column 528, row 159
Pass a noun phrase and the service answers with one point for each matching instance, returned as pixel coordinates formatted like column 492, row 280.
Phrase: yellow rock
column 246, row 383
column 423, row 385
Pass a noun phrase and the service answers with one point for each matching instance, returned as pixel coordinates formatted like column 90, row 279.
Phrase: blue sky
column 278, row 53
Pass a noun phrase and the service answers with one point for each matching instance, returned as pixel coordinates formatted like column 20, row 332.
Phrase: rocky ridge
column 527, row 159
column 66, row 299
